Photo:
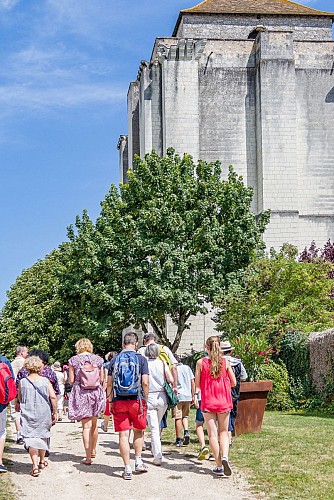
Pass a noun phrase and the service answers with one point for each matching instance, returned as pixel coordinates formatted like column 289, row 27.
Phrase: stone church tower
column 250, row 83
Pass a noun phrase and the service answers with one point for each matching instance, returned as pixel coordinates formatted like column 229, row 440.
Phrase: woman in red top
column 214, row 378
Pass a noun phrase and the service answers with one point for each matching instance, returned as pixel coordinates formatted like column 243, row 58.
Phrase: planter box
column 251, row 406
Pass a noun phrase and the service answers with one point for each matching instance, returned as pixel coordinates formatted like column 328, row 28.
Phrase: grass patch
column 292, row 458
column 6, row 486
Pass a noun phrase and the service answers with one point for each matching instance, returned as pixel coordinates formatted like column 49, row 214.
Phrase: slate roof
column 252, row 7
column 265, row 7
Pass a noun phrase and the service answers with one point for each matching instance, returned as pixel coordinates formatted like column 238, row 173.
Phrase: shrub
column 254, row 351
column 279, row 398
column 294, row 351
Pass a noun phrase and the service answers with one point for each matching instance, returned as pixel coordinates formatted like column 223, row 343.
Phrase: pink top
column 215, row 392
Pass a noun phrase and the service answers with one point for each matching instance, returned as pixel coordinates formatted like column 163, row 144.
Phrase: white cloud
column 19, row 98
column 43, row 79
column 8, row 4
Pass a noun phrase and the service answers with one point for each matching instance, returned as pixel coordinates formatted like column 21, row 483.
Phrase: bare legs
column 89, row 437
column 106, row 419
column 33, row 452
column 124, row 445
column 200, row 434
column 179, row 423
column 218, row 438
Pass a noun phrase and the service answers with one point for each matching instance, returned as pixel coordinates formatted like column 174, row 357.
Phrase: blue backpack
column 126, row 374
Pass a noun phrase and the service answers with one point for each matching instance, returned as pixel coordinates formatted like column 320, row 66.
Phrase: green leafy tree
column 164, row 244
column 87, row 288
column 168, row 240
column 34, row 314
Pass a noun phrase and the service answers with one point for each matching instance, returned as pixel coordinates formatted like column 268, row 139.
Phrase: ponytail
column 213, row 345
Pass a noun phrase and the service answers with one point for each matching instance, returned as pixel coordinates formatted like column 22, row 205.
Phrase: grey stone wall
column 266, row 106
column 123, row 158
column 201, row 327
column 321, row 346
column 240, row 26
column 133, row 122
column 157, row 118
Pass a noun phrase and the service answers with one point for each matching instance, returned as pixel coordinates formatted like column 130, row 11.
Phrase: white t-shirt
column 156, row 374
column 184, row 378
column 61, row 380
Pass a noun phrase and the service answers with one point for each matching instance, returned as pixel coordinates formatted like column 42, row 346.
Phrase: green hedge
column 279, row 398
column 295, row 353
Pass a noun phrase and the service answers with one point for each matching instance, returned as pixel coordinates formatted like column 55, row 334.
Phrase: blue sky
column 64, row 74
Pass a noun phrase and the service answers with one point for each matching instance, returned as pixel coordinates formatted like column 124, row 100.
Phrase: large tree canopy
column 35, row 314
column 164, row 244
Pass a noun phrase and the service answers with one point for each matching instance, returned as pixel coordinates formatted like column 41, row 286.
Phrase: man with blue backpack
column 127, row 390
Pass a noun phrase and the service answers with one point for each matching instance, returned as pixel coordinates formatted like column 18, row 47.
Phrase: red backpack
column 7, row 384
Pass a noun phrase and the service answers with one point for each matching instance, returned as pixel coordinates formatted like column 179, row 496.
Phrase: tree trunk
column 160, row 331
column 181, row 326
column 143, row 326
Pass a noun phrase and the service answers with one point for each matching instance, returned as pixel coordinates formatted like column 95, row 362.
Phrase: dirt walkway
column 66, row 479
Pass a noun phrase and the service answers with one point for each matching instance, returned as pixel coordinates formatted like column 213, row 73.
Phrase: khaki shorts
column 181, row 410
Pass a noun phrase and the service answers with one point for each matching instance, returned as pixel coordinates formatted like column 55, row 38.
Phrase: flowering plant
column 254, row 351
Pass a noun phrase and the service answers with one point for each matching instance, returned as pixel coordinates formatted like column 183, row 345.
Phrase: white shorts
column 3, row 418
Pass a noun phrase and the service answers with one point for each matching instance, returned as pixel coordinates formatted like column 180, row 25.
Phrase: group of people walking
column 134, row 386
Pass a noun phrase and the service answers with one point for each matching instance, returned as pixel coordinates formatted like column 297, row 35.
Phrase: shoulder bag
column 172, row 398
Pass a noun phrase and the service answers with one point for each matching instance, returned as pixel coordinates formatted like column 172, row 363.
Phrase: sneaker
column 186, row 439
column 211, row 458
column 218, row 471
column 140, row 467
column 157, row 460
column 3, row 468
column 178, row 443
column 203, row 453
column 19, row 441
column 103, row 428
column 226, row 467
column 127, row 475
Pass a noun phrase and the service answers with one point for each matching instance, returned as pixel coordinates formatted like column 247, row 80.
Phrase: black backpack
column 236, row 390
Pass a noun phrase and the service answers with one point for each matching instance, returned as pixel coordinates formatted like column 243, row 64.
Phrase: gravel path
column 66, row 479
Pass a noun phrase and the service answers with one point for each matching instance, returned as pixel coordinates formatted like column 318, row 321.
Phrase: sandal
column 43, row 464
column 86, row 461
column 34, row 472
column 93, row 455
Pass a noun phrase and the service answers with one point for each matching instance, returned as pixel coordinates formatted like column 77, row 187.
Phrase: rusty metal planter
column 252, row 403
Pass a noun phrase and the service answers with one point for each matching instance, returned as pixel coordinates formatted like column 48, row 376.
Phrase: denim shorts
column 199, row 419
